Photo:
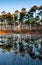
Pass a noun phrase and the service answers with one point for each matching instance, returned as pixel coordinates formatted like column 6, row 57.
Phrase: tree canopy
column 23, row 16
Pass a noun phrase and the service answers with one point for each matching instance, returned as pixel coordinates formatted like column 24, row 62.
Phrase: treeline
column 31, row 17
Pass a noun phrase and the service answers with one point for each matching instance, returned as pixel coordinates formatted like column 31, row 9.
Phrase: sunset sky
column 11, row 5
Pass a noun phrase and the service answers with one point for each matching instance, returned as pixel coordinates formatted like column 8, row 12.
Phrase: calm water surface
column 11, row 58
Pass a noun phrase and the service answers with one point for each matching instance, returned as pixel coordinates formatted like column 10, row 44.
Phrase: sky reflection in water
column 10, row 58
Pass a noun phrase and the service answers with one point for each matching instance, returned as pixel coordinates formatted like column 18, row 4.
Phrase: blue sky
column 12, row 5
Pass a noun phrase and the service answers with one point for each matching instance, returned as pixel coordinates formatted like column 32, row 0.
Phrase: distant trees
column 22, row 15
column 9, row 18
column 40, row 14
column 16, row 15
column 31, row 17
column 34, row 18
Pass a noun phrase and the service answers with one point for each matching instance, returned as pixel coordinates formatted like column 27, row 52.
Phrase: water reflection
column 20, row 50
column 13, row 57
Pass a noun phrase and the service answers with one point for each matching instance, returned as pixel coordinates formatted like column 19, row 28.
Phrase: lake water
column 11, row 58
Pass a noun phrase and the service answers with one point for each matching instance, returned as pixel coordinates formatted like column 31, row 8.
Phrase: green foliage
column 23, row 17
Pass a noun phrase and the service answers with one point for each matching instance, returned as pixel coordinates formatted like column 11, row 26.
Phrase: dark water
column 11, row 58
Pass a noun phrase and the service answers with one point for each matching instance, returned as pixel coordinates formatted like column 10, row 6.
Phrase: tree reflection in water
column 19, row 54
column 5, row 47
column 13, row 57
